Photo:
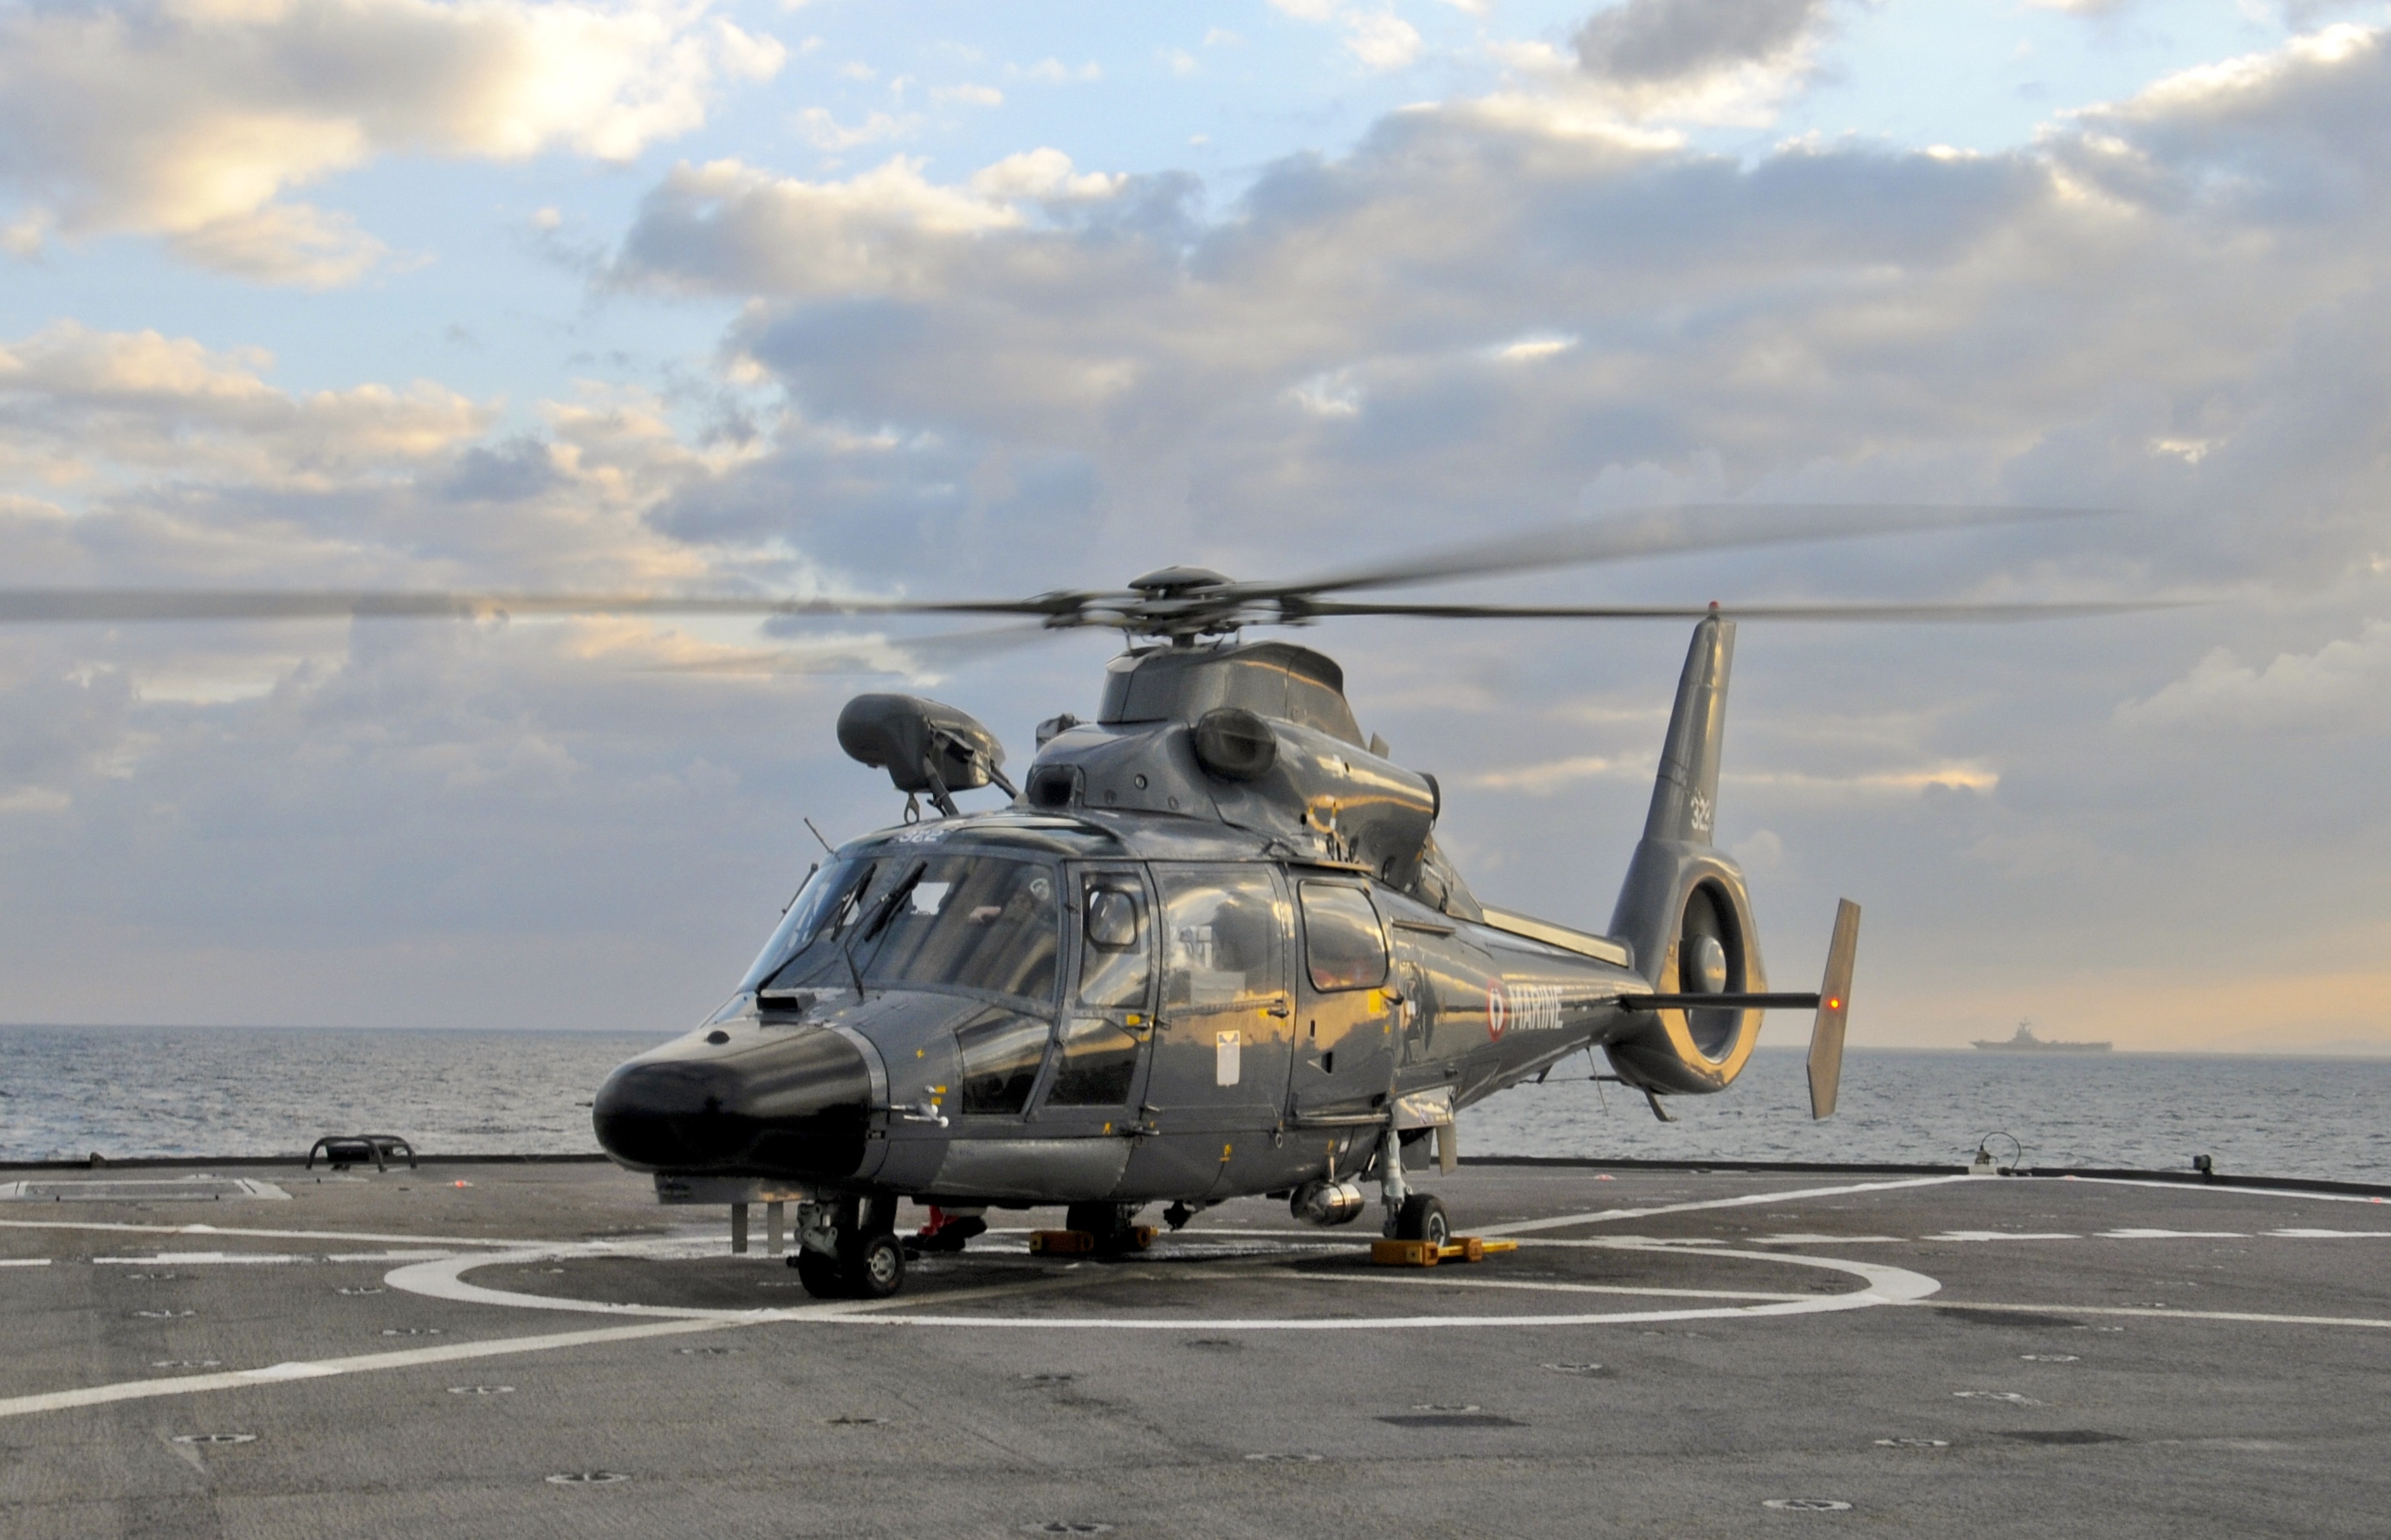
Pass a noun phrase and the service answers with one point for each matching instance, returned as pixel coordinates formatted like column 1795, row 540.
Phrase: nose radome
column 794, row 1104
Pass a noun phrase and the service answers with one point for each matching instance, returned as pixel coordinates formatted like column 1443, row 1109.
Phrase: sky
column 947, row 299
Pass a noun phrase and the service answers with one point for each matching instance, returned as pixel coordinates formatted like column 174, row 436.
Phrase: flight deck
column 512, row 1349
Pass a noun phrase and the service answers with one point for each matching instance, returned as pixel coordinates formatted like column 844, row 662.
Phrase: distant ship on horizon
column 2026, row 1042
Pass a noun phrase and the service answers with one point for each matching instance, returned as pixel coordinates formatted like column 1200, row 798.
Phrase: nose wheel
column 865, row 1259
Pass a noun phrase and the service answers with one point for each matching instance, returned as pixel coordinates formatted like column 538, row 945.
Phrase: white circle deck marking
column 445, row 1279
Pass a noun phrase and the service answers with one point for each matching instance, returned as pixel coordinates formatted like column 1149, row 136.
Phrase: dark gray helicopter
column 1208, row 949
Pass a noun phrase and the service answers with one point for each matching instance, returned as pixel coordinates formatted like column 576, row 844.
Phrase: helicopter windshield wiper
column 882, row 912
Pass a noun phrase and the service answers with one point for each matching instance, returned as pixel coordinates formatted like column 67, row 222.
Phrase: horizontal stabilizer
column 1720, row 1002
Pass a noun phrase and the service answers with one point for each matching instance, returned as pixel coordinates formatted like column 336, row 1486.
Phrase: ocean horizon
column 136, row 1092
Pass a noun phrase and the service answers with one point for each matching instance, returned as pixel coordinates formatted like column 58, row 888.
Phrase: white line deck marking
column 24, row 1262
column 1525, row 1226
column 1438, row 1276
column 205, row 1259
column 688, row 1321
column 273, row 1235
column 2173, row 1235
column 142, row 1389
column 2004, row 1235
column 2160, row 1315
column 2330, row 1235
column 2217, row 1192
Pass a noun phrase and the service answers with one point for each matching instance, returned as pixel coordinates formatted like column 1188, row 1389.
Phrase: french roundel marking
column 1498, row 1010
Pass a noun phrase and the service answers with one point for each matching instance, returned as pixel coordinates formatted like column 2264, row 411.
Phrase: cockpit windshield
column 977, row 923
column 823, row 909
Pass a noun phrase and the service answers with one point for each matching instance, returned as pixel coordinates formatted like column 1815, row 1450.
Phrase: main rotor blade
column 862, row 655
column 27, row 607
column 1963, row 612
column 1663, row 531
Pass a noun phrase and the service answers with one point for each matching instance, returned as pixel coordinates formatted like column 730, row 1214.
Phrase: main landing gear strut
column 1410, row 1215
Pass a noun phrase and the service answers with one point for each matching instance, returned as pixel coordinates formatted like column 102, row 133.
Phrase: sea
column 67, row 1092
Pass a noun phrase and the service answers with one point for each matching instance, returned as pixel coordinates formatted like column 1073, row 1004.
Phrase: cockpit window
column 1115, row 958
column 823, row 910
column 983, row 923
column 979, row 923
column 1002, row 1054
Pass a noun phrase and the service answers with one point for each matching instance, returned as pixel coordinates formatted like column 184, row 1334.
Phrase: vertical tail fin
column 1684, row 798
column 1676, row 845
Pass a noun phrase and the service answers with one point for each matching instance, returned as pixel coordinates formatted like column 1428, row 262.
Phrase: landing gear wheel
column 1422, row 1218
column 819, row 1273
column 872, row 1267
column 1109, row 1222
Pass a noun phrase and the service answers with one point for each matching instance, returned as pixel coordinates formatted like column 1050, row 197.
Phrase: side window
column 1117, row 946
column 1342, row 942
column 1099, row 1061
column 1220, row 937
column 1001, row 1052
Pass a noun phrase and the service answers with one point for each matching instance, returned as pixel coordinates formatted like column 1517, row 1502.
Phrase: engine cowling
column 1711, row 947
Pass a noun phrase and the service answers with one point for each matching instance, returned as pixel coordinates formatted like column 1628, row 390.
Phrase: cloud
column 1667, row 42
column 86, row 410
column 825, row 132
column 1492, row 312
column 1377, row 40
column 728, row 226
column 1054, row 71
column 1485, row 315
column 2339, row 690
column 193, row 119
column 1381, row 40
column 1713, row 59
column 2166, row 299
column 1042, row 173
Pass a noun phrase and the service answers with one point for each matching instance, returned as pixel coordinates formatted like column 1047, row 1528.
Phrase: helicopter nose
column 796, row 1104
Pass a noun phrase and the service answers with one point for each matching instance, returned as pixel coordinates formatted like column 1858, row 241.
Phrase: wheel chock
column 1420, row 1253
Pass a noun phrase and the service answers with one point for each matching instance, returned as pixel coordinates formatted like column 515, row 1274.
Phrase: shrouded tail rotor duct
column 1712, row 949
column 1710, row 961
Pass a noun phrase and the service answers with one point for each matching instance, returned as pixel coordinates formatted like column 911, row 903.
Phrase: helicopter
column 1209, row 948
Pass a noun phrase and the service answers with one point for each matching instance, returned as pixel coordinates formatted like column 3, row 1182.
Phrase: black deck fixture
column 342, row 1150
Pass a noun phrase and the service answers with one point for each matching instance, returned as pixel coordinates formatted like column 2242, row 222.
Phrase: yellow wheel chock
column 1420, row 1253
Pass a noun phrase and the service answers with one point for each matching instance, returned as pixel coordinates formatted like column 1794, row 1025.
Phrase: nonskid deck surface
column 531, row 1351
